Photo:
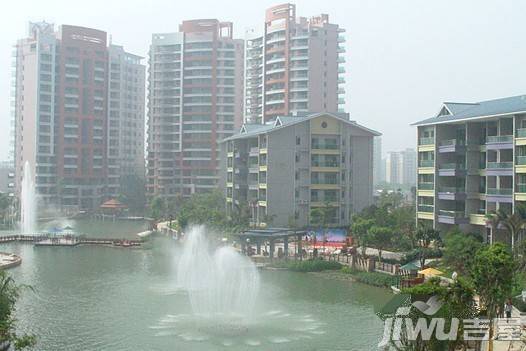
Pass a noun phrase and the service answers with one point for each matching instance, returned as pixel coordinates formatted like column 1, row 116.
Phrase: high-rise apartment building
column 293, row 64
column 471, row 163
column 283, row 170
column 125, row 118
column 61, row 114
column 195, row 100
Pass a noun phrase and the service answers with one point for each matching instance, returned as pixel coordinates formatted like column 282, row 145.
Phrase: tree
column 492, row 272
column 380, row 238
column 391, row 199
column 132, row 192
column 360, row 228
column 157, row 207
column 512, row 222
column 322, row 216
column 426, row 235
column 460, row 249
column 208, row 209
column 9, row 294
column 458, row 304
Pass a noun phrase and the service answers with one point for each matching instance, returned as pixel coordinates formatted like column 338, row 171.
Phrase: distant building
column 400, row 167
column 393, row 169
column 62, row 96
column 378, row 167
column 7, row 178
column 293, row 64
column 472, row 162
column 286, row 168
column 195, row 95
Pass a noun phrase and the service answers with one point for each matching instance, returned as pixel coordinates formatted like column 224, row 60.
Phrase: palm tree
column 513, row 222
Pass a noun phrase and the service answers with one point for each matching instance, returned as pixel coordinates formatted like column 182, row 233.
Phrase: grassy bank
column 308, row 265
column 371, row 278
column 316, row 265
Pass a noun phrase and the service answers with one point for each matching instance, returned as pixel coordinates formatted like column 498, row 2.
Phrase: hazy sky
column 404, row 57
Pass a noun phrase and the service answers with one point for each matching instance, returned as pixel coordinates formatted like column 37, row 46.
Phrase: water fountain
column 218, row 282
column 227, row 309
column 28, row 201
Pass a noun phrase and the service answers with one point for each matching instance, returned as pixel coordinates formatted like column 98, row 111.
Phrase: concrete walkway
column 509, row 345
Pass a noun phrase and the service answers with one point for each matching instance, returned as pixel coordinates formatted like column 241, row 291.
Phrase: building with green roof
column 472, row 162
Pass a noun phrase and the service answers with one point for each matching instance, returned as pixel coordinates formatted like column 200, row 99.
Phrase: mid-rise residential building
column 400, row 167
column 293, row 64
column 286, row 168
column 195, row 100
column 472, row 162
column 61, row 87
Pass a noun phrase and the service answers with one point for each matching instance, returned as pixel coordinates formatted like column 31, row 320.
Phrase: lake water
column 104, row 298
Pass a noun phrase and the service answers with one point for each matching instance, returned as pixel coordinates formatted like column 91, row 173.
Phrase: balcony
column 452, row 193
column 499, row 191
column 521, row 160
column 451, row 145
column 451, row 169
column 499, row 168
column 452, row 217
column 521, row 133
column 426, row 163
column 499, row 142
column 325, row 146
column 426, row 186
column 426, row 208
column 426, row 141
column 521, row 188
column 499, row 195
column 500, row 165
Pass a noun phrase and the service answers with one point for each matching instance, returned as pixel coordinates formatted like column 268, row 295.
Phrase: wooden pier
column 44, row 239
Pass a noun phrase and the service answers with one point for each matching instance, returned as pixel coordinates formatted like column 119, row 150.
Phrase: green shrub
column 415, row 254
column 315, row 265
column 372, row 278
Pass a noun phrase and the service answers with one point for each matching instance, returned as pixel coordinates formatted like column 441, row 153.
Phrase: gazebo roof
column 113, row 204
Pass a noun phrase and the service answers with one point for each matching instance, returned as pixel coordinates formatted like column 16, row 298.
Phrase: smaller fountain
column 28, row 202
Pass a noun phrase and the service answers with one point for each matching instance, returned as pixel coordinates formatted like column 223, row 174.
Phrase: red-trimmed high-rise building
column 195, row 100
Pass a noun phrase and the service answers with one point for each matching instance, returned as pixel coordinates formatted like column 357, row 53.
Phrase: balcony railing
column 494, row 139
column 325, row 146
column 452, row 189
column 425, row 208
column 452, row 166
column 324, row 164
column 426, row 163
column 452, row 214
column 521, row 188
column 500, row 165
column 452, row 142
column 521, row 160
column 426, row 141
column 426, row 186
column 501, row 191
column 521, row 133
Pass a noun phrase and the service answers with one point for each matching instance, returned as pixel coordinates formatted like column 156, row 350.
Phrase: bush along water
column 314, row 265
